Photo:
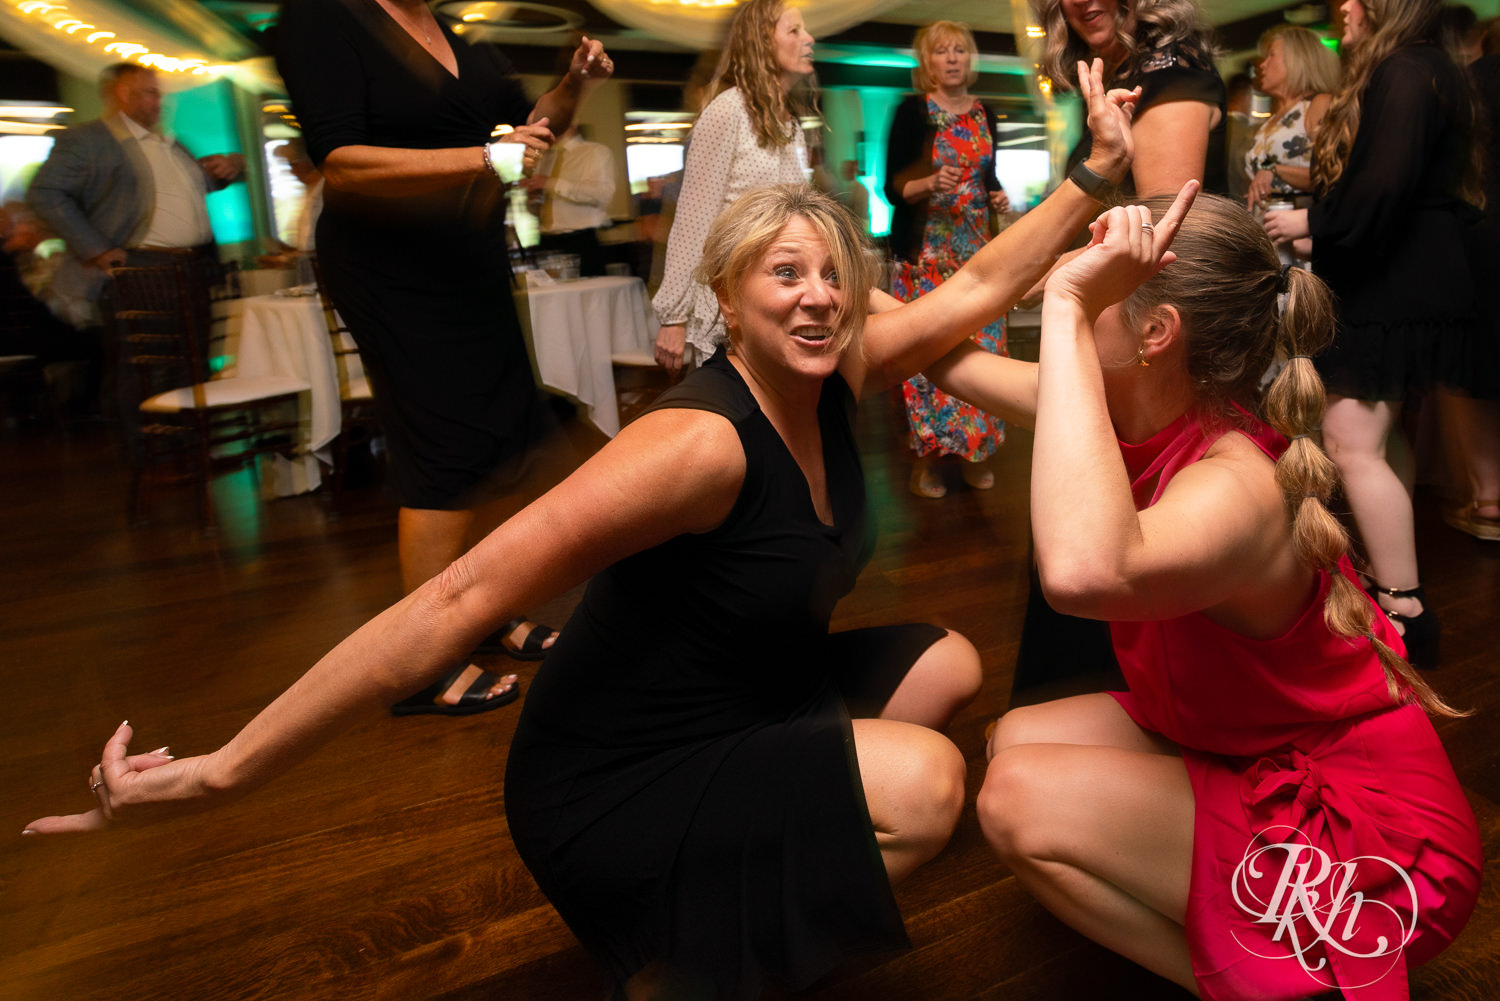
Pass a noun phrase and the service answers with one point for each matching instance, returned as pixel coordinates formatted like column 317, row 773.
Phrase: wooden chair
column 356, row 401
column 190, row 423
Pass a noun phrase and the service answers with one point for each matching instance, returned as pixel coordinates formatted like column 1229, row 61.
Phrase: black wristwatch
column 1098, row 188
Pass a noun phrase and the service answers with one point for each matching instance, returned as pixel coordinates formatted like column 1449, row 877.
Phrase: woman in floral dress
column 1299, row 73
column 941, row 200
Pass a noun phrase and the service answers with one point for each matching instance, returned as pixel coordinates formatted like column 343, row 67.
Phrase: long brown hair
column 749, row 64
column 1234, row 329
column 1393, row 25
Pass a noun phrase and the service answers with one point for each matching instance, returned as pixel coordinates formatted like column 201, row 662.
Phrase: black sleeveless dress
column 685, row 791
column 421, row 279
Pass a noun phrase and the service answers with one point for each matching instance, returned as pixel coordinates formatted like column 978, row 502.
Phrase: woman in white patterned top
column 1300, row 74
column 747, row 137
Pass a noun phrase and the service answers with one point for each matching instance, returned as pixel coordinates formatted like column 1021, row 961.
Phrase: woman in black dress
column 724, row 800
column 411, row 244
column 1393, row 166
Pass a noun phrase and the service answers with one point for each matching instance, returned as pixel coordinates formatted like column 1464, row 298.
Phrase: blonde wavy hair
column 749, row 63
column 1393, row 25
column 1311, row 66
column 1158, row 24
column 925, row 45
column 1234, row 329
column 746, row 229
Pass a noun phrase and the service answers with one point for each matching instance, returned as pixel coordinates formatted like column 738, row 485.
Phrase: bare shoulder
column 1235, row 456
column 684, row 460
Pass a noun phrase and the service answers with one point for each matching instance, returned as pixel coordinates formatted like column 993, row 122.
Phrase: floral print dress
column 957, row 226
column 1282, row 141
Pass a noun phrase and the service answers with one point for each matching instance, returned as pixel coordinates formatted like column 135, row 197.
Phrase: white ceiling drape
column 702, row 27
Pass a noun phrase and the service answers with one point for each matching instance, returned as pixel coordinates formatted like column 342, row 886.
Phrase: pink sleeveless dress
column 1333, row 848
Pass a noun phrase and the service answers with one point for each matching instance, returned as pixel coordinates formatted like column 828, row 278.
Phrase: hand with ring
column 1126, row 248
column 124, row 782
column 590, row 62
column 536, row 136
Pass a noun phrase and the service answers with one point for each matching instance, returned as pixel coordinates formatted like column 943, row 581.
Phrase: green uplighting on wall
column 204, row 118
column 895, row 60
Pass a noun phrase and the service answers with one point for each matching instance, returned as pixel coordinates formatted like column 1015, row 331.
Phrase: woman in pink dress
column 1267, row 812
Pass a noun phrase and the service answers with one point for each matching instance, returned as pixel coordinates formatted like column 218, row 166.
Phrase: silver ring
column 94, row 784
column 1147, row 227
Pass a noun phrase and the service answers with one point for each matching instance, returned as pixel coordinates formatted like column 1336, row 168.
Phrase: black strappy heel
column 1422, row 630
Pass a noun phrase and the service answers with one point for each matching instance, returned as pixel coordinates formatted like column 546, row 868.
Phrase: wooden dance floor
column 383, row 868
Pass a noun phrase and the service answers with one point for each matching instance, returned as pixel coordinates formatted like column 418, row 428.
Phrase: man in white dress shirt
column 570, row 191
column 120, row 192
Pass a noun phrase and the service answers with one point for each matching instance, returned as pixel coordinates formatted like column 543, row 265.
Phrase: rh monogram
column 1312, row 901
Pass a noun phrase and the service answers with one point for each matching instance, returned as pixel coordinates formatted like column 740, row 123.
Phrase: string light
column 58, row 17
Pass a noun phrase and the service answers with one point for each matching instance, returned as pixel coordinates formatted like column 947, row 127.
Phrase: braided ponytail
column 1293, row 405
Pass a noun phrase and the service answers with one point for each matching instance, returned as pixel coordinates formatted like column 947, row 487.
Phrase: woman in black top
column 397, row 113
column 728, row 801
column 1393, row 168
column 1162, row 47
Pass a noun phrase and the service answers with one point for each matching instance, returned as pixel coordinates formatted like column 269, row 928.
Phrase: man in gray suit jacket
column 118, row 192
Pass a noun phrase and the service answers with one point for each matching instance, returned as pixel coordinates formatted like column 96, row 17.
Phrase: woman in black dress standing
column 398, row 114
column 1393, row 167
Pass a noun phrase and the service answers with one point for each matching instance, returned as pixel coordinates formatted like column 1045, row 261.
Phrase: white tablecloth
column 280, row 335
column 575, row 327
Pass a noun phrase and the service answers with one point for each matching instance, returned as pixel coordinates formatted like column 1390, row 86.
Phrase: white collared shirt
column 180, row 216
column 577, row 197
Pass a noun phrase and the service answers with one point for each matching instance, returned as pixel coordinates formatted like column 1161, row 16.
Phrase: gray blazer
column 96, row 192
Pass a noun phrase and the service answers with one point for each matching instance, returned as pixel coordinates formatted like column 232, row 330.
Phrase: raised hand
column 129, row 787
column 590, row 62
column 1125, row 249
column 1110, row 112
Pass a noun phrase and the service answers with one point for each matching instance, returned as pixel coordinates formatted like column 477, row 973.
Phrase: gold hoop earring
column 1140, row 356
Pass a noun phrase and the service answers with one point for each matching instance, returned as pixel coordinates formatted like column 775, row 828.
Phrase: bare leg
column 1356, row 434
column 1101, row 833
column 426, row 542
column 926, row 480
column 942, row 681
column 914, row 786
column 1475, row 424
column 978, row 475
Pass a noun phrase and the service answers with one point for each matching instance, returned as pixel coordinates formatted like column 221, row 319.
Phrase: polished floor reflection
column 382, row 869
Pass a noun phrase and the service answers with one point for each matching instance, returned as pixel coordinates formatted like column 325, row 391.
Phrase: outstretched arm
column 670, row 472
column 901, row 342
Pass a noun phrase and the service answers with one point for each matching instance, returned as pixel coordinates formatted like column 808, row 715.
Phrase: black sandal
column 475, row 699
column 531, row 648
column 1422, row 630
